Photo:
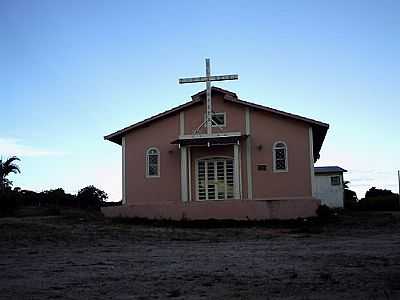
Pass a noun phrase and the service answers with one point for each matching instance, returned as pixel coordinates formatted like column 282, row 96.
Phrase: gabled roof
column 328, row 170
column 319, row 128
column 116, row 137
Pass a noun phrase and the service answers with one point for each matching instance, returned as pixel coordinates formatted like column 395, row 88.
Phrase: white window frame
column 158, row 162
column 217, row 113
column 274, row 157
column 197, row 176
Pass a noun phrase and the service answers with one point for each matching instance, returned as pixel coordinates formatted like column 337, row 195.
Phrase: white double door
column 215, row 178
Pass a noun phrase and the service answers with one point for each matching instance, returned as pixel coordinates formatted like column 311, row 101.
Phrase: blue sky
column 73, row 71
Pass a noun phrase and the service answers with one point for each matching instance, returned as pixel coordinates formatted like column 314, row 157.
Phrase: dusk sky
column 74, row 71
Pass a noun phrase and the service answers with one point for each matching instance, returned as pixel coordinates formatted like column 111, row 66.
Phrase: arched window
column 280, row 157
column 152, row 162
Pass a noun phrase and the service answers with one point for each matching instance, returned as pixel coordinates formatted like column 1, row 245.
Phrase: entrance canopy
column 209, row 140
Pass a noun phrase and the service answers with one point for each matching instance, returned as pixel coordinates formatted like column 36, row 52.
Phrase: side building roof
column 328, row 170
column 319, row 128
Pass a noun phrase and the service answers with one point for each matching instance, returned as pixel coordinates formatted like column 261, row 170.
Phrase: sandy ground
column 356, row 257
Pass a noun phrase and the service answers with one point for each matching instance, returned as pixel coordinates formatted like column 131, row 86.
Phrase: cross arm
column 224, row 77
column 211, row 78
column 192, row 80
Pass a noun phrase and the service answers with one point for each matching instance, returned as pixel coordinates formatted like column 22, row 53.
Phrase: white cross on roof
column 207, row 79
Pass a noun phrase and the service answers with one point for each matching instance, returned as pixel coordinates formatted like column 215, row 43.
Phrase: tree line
column 92, row 198
column 374, row 199
column 11, row 198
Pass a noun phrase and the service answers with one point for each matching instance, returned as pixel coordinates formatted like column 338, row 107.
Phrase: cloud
column 10, row 146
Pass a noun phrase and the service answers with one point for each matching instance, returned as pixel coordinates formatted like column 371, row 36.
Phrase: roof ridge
column 321, row 127
column 281, row 112
column 214, row 88
column 149, row 119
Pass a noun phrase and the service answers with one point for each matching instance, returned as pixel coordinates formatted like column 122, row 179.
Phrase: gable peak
column 215, row 91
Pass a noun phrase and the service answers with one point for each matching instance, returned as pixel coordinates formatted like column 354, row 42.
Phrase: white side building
column 329, row 185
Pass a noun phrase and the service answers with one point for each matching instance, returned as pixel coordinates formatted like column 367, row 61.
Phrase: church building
column 219, row 157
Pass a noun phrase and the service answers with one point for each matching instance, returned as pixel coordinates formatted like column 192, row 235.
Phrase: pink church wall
column 166, row 188
column 266, row 129
column 235, row 120
column 283, row 195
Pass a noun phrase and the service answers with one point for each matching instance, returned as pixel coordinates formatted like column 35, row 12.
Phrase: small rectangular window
column 218, row 119
column 335, row 180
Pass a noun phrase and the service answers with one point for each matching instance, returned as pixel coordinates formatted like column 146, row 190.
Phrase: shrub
column 109, row 204
column 324, row 211
column 57, row 198
column 349, row 199
column 390, row 202
column 374, row 192
column 91, row 197
column 30, row 198
column 8, row 202
column 378, row 199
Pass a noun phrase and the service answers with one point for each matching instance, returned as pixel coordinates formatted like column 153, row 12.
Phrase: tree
column 91, row 197
column 379, row 199
column 374, row 192
column 349, row 196
column 57, row 197
column 6, row 168
column 346, row 184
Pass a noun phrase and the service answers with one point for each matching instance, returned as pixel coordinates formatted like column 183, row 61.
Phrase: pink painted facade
column 261, row 193
column 142, row 190
column 296, row 182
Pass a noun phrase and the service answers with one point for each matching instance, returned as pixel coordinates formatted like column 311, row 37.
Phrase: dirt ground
column 75, row 257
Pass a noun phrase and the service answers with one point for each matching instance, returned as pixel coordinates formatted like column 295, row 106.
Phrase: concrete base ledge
column 221, row 209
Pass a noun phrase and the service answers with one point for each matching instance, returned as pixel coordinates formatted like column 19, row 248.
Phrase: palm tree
column 6, row 168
